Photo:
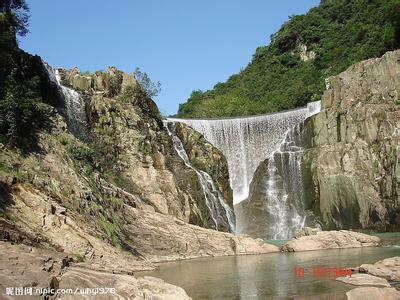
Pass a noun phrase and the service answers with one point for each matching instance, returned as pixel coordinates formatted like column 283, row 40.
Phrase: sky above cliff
column 186, row 45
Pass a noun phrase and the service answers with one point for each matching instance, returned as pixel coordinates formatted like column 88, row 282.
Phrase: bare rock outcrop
column 331, row 240
column 353, row 148
column 44, row 271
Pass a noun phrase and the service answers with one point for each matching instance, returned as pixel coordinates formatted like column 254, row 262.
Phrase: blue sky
column 184, row 44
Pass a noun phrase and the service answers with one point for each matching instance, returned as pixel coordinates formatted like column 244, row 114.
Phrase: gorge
column 291, row 165
column 290, row 187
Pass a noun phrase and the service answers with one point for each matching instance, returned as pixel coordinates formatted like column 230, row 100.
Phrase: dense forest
column 290, row 71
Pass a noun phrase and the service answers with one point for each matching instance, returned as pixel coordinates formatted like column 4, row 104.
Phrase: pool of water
column 267, row 276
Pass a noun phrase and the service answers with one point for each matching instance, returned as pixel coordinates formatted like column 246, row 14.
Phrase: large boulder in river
column 353, row 150
column 373, row 293
column 331, row 240
column 364, row 279
column 388, row 268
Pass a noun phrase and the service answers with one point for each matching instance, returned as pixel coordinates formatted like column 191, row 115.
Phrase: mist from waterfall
column 74, row 107
column 214, row 200
column 247, row 141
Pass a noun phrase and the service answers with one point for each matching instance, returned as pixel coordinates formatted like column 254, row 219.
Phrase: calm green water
column 267, row 276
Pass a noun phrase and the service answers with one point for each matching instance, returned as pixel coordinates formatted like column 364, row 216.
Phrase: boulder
column 388, row 268
column 331, row 240
column 364, row 279
column 373, row 293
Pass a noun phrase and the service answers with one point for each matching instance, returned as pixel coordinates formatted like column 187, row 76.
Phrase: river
column 267, row 276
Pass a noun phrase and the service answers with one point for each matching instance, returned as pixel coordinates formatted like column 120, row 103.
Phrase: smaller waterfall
column 74, row 110
column 284, row 186
column 214, row 200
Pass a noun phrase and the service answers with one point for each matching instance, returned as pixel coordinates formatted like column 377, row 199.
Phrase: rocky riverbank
column 377, row 278
column 50, row 271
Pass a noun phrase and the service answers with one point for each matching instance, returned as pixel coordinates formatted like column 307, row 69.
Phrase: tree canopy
column 151, row 88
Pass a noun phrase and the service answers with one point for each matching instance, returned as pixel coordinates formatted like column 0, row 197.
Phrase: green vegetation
column 22, row 109
column 22, row 113
column 339, row 33
column 152, row 89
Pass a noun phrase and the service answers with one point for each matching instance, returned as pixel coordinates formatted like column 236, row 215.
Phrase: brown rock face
column 353, row 148
column 331, row 240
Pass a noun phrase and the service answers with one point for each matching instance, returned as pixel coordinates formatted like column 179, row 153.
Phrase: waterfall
column 74, row 107
column 247, row 141
column 214, row 200
column 284, row 187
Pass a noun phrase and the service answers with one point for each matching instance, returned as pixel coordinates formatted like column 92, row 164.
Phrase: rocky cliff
column 353, row 148
column 340, row 168
column 207, row 158
column 129, row 133
column 106, row 188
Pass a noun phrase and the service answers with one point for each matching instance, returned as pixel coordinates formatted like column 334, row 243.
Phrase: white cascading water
column 247, row 141
column 213, row 198
column 284, row 186
column 74, row 110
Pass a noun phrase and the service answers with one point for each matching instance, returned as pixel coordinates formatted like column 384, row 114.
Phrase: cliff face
column 207, row 158
column 353, row 147
column 116, row 196
column 139, row 153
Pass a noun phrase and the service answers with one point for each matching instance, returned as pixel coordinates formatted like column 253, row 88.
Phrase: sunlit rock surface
column 373, row 293
column 353, row 148
column 331, row 240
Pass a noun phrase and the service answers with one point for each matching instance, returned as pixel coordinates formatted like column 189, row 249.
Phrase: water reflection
column 265, row 276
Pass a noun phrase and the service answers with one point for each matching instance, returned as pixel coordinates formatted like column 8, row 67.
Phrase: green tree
column 16, row 15
column 152, row 89
column 22, row 113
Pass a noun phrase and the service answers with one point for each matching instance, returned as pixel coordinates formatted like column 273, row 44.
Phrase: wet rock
column 206, row 157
